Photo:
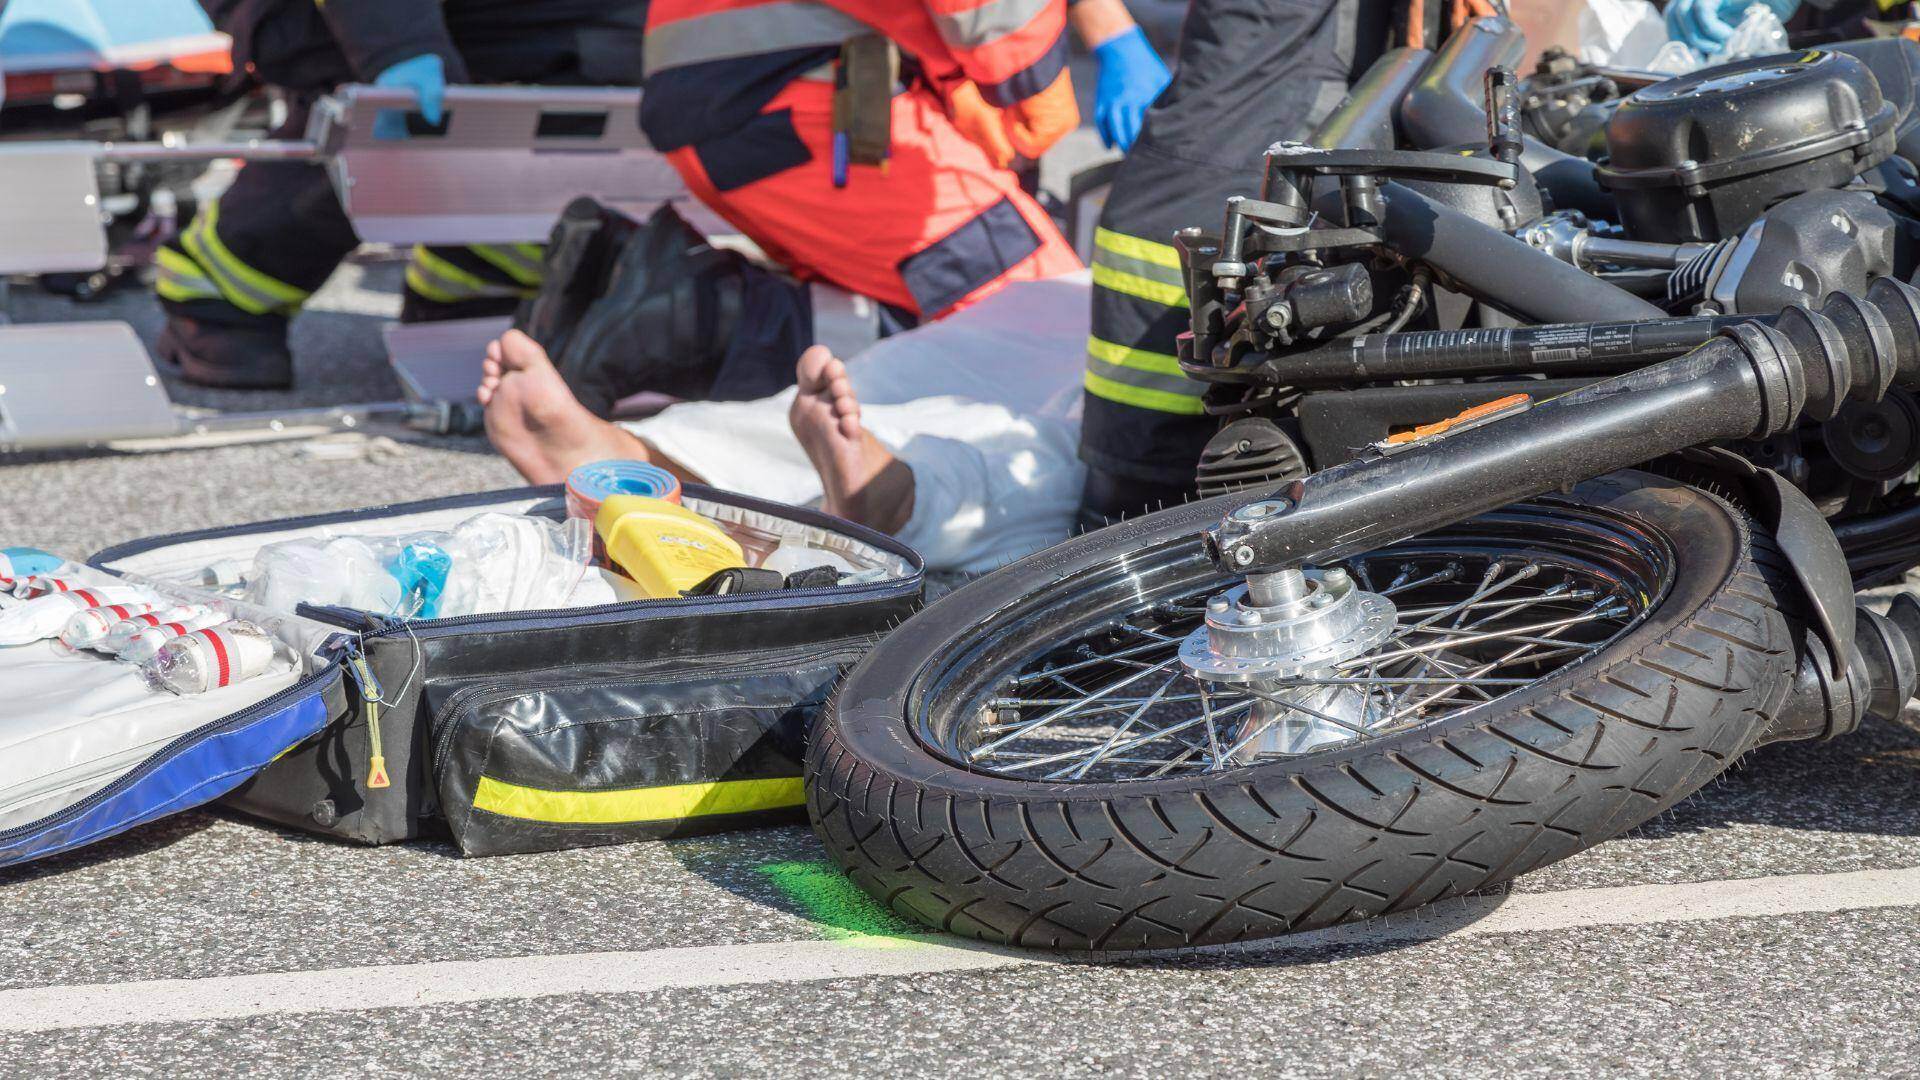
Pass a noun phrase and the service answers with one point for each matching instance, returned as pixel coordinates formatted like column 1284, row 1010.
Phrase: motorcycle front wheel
column 1029, row 762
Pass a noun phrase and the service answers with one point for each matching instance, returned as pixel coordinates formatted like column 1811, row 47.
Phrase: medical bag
column 520, row 731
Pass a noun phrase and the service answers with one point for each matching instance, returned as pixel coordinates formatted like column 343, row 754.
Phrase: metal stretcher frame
column 499, row 168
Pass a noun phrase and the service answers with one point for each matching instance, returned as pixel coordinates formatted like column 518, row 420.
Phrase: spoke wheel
column 1482, row 612
column 1029, row 761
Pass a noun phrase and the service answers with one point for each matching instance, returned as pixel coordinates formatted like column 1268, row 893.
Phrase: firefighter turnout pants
column 1250, row 73
column 934, row 228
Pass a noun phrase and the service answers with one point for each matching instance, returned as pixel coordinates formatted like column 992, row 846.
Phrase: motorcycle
column 1547, row 477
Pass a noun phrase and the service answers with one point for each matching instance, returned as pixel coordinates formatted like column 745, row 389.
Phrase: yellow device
column 664, row 547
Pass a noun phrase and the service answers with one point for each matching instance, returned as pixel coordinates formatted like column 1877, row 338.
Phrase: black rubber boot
column 235, row 356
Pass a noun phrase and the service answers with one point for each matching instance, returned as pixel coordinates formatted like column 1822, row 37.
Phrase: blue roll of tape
column 590, row 484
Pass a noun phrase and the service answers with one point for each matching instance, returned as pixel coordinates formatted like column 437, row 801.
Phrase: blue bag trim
column 195, row 769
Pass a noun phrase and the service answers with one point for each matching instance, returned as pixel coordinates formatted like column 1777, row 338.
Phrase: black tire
column 1292, row 844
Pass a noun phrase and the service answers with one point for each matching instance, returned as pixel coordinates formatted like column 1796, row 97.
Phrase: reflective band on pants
column 241, row 285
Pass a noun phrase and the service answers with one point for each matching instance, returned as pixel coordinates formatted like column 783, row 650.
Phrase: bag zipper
column 471, row 696
column 179, row 742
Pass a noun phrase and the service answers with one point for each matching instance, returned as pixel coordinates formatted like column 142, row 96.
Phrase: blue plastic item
column 21, row 562
column 49, row 28
column 421, row 569
column 1131, row 77
column 426, row 76
column 1705, row 25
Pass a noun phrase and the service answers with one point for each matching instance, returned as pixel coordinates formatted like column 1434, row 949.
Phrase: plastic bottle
column 90, row 627
column 210, row 658
column 663, row 547
column 121, row 634
column 147, row 643
column 45, row 616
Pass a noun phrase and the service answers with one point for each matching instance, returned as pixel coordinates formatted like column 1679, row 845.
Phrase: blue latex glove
column 1131, row 76
column 1707, row 24
column 426, row 76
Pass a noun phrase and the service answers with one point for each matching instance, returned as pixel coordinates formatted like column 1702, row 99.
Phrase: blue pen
column 841, row 153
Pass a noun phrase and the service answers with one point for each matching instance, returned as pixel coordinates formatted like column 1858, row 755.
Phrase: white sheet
column 983, row 405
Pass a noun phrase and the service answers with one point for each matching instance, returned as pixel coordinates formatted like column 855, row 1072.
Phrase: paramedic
column 249, row 259
column 866, row 143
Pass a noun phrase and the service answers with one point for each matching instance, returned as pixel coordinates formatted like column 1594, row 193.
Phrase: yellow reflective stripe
column 1138, row 359
column 441, row 281
column 244, row 287
column 1133, row 247
column 533, row 253
column 180, row 279
column 628, row 805
column 1159, row 292
column 1141, row 397
column 418, row 282
column 512, row 263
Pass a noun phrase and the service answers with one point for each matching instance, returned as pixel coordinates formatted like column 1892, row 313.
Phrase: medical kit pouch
column 602, row 720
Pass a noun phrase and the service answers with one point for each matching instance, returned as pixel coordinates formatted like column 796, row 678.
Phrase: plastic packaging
column 792, row 557
column 121, row 634
column 37, row 585
column 211, row 658
column 488, row 563
column 755, row 544
column 147, row 643
column 589, row 485
column 663, row 547
column 510, row 562
column 45, row 616
column 343, row 572
column 1621, row 33
column 90, row 627
column 23, row 562
column 1760, row 33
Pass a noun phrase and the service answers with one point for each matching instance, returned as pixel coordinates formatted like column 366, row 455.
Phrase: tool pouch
column 863, row 85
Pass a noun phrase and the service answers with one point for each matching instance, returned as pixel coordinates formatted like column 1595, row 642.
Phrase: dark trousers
column 1249, row 73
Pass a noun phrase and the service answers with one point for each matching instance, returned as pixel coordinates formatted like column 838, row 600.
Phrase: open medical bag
column 520, row 731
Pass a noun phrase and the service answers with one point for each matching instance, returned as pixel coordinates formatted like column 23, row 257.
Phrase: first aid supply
column 147, row 643
column 591, row 484
column 791, row 557
column 90, row 627
column 36, row 585
column 45, row 616
column 121, row 634
column 662, row 546
column 24, row 562
column 211, row 658
column 488, row 563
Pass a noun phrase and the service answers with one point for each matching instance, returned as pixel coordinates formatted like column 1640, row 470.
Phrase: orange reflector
column 1441, row 427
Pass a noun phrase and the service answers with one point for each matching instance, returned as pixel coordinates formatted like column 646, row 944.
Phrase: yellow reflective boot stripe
column 243, row 286
column 180, row 279
column 512, row 262
column 442, row 282
column 631, row 805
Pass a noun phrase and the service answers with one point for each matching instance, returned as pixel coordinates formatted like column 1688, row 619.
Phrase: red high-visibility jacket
column 712, row 65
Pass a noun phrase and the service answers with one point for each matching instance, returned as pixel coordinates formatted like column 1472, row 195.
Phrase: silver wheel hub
column 1283, row 625
column 1287, row 623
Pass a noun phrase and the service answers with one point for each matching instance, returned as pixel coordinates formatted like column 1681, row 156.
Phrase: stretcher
column 499, row 168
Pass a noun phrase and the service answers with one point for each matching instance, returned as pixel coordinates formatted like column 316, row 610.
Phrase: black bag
column 558, row 728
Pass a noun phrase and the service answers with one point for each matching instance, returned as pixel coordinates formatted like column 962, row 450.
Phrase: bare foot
column 863, row 481
column 534, row 419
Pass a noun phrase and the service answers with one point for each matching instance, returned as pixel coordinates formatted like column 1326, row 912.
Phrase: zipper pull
column 370, row 697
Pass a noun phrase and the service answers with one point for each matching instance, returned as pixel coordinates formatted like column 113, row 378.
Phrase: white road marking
column 512, row 978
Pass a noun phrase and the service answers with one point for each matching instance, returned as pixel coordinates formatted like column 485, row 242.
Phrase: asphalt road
column 1770, row 926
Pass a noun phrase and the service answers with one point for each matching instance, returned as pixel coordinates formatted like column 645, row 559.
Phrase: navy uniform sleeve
column 376, row 34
